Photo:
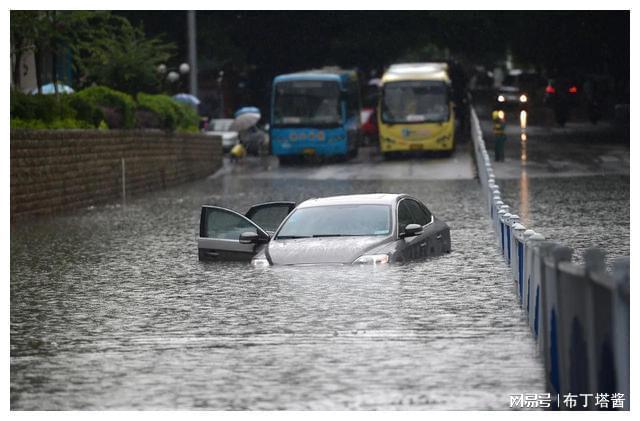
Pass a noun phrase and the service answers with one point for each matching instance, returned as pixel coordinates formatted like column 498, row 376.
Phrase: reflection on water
column 111, row 309
column 524, row 179
column 523, row 119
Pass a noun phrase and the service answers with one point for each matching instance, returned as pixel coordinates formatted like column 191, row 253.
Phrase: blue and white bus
column 317, row 113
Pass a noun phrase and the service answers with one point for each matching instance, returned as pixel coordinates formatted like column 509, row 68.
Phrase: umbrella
column 245, row 118
column 187, row 99
column 49, row 89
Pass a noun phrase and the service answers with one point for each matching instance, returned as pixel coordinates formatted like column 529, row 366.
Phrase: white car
column 220, row 127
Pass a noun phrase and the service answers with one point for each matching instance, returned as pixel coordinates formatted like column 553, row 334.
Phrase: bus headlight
column 500, row 98
column 523, row 98
column 376, row 259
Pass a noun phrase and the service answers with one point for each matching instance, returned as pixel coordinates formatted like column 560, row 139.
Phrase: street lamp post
column 170, row 74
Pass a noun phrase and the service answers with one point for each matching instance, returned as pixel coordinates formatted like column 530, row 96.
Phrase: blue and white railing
column 579, row 314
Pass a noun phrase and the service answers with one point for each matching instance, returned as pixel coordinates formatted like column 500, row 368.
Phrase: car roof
column 353, row 199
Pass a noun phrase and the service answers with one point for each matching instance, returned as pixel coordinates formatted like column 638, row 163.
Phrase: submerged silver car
column 353, row 229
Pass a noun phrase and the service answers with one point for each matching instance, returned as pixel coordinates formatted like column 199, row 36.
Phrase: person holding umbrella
column 250, row 136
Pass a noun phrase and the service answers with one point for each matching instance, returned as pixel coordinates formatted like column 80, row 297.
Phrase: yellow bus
column 415, row 112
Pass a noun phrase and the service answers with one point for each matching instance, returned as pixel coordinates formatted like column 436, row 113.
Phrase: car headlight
column 376, row 259
column 260, row 262
column 523, row 98
column 500, row 98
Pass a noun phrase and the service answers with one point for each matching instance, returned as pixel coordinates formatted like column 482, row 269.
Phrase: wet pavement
column 111, row 309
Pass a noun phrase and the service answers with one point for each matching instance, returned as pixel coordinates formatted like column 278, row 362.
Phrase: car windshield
column 415, row 102
column 337, row 221
column 307, row 102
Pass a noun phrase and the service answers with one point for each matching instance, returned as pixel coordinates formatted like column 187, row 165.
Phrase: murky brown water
column 111, row 309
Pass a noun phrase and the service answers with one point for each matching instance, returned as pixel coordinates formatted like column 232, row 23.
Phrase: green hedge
column 47, row 111
column 96, row 106
column 102, row 96
column 173, row 115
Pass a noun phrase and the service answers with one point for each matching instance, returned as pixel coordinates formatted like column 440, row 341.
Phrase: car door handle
column 439, row 237
column 423, row 244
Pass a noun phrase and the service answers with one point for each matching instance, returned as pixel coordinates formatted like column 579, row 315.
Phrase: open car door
column 269, row 215
column 221, row 228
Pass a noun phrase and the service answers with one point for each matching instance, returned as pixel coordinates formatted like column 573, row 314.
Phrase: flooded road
column 570, row 184
column 111, row 309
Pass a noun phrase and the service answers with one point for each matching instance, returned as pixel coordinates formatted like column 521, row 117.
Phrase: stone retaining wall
column 58, row 170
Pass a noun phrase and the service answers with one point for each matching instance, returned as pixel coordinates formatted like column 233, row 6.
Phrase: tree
column 106, row 49
column 126, row 60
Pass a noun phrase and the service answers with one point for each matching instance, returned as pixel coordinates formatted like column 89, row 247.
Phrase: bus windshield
column 307, row 102
column 415, row 102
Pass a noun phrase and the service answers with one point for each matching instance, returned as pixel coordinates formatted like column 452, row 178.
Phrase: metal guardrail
column 578, row 314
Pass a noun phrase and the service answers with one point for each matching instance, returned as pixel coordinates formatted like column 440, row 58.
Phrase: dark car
column 512, row 95
column 368, row 228
column 561, row 94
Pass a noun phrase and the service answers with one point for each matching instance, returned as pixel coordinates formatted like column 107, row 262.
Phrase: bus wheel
column 353, row 153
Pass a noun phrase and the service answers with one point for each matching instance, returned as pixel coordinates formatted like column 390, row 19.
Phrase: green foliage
column 66, row 123
column 127, row 60
column 101, row 96
column 84, row 110
column 162, row 106
column 105, row 48
column 173, row 115
column 187, row 117
column 31, row 107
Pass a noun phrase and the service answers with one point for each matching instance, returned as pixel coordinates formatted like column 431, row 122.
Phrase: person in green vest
column 499, row 135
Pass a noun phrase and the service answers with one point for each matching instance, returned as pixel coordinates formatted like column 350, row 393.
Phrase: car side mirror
column 412, row 230
column 249, row 238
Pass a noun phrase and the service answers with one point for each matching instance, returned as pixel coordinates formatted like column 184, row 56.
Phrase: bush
column 39, row 107
column 162, row 106
column 85, row 110
column 66, row 123
column 101, row 107
column 172, row 115
column 103, row 97
column 188, row 118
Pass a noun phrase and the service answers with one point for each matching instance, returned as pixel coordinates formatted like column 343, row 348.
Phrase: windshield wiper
column 289, row 237
column 328, row 235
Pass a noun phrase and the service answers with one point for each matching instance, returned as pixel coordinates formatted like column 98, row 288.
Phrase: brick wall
column 54, row 171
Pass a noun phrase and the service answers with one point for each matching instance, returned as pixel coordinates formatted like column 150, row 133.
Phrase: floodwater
column 579, row 212
column 111, row 309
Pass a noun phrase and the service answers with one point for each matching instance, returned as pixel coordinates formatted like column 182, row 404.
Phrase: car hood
column 321, row 250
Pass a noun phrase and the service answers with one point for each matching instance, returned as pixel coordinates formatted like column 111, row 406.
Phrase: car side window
column 404, row 215
column 226, row 225
column 427, row 212
column 420, row 217
column 269, row 217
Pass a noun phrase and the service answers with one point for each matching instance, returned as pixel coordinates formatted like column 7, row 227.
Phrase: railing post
column 517, row 262
column 554, row 341
column 602, row 367
column 501, row 213
column 533, row 281
column 575, row 328
column 621, row 275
